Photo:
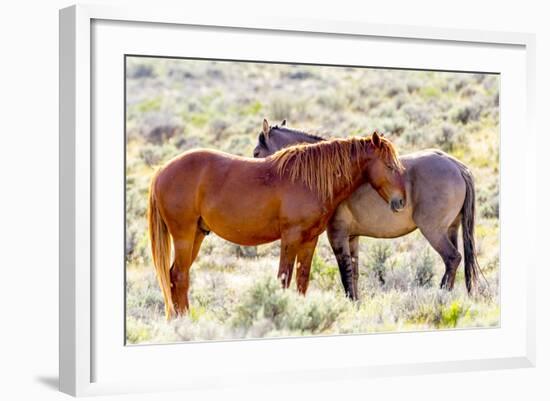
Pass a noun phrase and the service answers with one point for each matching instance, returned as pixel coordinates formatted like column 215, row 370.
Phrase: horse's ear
column 376, row 141
column 265, row 127
column 283, row 123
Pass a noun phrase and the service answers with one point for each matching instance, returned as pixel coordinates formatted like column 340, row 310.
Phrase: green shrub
column 139, row 70
column 137, row 240
column 266, row 305
column 413, row 86
column 393, row 126
column 430, row 92
column 148, row 105
column 246, row 251
column 468, row 113
column 424, row 269
column 265, row 299
column 417, row 114
column 451, row 314
column 394, row 90
column 152, row 156
column 279, row 109
column 155, row 155
column 325, row 275
column 413, row 137
column 489, row 199
column 137, row 331
column 378, row 258
column 447, row 137
column 315, row 313
column 333, row 101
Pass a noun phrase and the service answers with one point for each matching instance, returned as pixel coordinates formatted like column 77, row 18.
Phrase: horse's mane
column 305, row 135
column 321, row 165
column 298, row 132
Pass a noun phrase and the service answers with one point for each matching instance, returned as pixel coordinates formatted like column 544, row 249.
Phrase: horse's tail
column 161, row 244
column 472, row 270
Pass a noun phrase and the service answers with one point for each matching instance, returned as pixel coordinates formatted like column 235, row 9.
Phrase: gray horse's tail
column 472, row 270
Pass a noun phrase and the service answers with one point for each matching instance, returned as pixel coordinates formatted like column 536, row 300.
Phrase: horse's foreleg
column 354, row 252
column 339, row 241
column 286, row 261
column 303, row 259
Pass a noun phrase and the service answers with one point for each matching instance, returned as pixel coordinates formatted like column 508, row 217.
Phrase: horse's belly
column 243, row 235
column 242, row 224
column 391, row 226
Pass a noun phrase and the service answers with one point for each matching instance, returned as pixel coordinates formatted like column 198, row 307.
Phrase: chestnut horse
column 441, row 195
column 290, row 195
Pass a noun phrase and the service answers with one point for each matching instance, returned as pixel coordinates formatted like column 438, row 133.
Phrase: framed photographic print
column 296, row 200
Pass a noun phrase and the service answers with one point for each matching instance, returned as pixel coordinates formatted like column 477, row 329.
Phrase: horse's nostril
column 397, row 204
column 256, row 153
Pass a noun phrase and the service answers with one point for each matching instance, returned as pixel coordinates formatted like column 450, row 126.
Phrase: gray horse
column 440, row 196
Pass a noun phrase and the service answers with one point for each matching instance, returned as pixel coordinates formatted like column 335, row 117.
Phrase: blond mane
column 322, row 165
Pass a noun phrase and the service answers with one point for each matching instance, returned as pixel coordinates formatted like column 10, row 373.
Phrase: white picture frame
column 79, row 372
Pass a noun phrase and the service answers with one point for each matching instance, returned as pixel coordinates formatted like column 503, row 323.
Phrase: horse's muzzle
column 397, row 204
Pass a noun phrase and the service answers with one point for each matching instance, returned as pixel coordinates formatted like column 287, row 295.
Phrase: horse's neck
column 343, row 190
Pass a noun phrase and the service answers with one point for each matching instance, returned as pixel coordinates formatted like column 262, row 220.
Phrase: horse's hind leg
column 186, row 246
column 303, row 259
column 199, row 237
column 452, row 233
column 442, row 242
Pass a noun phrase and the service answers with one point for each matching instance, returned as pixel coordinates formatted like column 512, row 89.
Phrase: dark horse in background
column 441, row 196
column 290, row 196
